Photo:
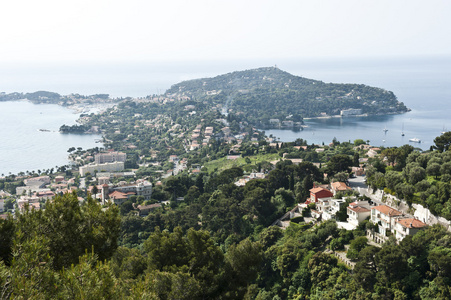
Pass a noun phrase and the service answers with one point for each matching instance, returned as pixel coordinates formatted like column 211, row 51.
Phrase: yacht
column 415, row 140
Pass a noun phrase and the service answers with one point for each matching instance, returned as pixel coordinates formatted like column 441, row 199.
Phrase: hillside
column 259, row 95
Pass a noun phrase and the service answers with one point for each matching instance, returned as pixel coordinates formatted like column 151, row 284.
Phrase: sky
column 48, row 31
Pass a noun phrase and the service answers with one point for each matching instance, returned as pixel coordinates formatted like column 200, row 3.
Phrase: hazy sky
column 146, row 30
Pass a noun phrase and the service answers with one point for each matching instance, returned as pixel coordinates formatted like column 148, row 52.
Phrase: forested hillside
column 266, row 93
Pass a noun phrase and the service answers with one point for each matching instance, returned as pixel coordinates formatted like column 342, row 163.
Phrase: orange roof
column 317, row 189
column 340, row 186
column 387, row 210
column 359, row 209
column 118, row 195
column 411, row 223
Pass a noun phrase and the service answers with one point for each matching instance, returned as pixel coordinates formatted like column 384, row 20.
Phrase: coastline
column 31, row 137
column 357, row 116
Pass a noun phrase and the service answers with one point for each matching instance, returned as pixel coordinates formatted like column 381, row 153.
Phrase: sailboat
column 444, row 130
column 385, row 129
column 402, row 131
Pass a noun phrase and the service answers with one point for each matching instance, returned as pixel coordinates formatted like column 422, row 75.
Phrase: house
column 358, row 171
column 358, row 212
column 103, row 180
column 339, row 186
column 371, row 153
column 385, row 216
column 30, row 202
column 317, row 193
column 118, row 197
column 33, row 184
column 296, row 161
column 408, row 226
column 37, row 181
column 287, row 123
column 59, row 179
column 334, row 206
column 323, row 204
column 144, row 210
column 126, row 190
column 45, row 194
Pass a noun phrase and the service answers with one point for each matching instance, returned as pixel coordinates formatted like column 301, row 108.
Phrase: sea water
column 423, row 84
column 29, row 137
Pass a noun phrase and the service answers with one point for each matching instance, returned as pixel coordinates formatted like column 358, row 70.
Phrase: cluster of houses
column 276, row 123
column 39, row 189
column 200, row 138
column 388, row 220
column 121, row 192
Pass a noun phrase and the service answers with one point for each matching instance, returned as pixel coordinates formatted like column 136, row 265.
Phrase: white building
column 385, row 216
column 351, row 112
column 405, row 227
column 357, row 212
column 108, row 167
column 101, row 158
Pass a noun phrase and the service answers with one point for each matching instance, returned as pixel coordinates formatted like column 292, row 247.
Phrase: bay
column 24, row 148
column 422, row 83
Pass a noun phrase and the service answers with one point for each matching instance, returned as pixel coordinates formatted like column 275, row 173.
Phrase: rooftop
column 387, row 210
column 359, row 209
column 411, row 223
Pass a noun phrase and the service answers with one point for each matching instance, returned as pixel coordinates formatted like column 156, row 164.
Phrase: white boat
column 415, row 140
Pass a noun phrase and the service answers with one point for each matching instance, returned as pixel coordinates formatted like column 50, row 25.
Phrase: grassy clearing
column 224, row 163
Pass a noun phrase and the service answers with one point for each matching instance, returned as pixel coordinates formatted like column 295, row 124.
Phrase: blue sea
column 24, row 147
column 422, row 83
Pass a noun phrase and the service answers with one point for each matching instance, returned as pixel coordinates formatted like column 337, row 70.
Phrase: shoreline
column 38, row 133
column 356, row 116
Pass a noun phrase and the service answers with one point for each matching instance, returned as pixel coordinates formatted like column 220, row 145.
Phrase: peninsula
column 264, row 97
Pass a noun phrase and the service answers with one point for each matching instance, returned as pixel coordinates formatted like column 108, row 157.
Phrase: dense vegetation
column 54, row 98
column 212, row 239
column 422, row 178
column 261, row 94
column 40, row 253
column 218, row 243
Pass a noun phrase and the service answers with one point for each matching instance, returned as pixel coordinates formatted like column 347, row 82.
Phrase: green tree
column 433, row 170
column 356, row 246
column 72, row 229
column 339, row 163
column 443, row 142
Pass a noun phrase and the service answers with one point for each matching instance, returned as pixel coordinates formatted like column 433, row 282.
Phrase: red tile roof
column 411, row 223
column 387, row 210
column 340, row 186
column 316, row 190
column 359, row 209
column 118, row 195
